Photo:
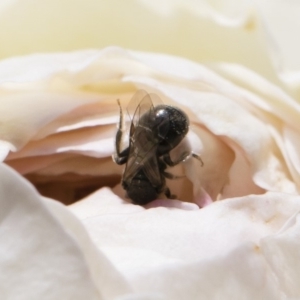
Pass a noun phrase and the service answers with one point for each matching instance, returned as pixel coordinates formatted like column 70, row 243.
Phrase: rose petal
column 23, row 121
column 282, row 254
column 57, row 242
column 266, row 96
column 89, row 115
column 214, row 251
column 91, row 141
column 4, row 149
column 106, row 278
column 38, row 258
column 32, row 164
column 225, row 109
column 215, row 155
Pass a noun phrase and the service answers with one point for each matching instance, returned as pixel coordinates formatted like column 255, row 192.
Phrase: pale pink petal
column 23, row 112
column 91, row 141
column 216, row 155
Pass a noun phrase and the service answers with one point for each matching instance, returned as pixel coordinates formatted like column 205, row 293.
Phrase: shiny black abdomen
column 140, row 190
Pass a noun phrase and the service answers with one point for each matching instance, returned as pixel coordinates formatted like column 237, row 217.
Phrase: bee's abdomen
column 140, row 189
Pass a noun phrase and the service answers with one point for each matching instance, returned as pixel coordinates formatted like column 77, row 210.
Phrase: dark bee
column 154, row 131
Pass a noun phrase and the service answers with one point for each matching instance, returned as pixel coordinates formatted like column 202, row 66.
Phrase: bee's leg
column 120, row 157
column 168, row 175
column 198, row 158
column 185, row 155
column 171, row 176
column 167, row 159
column 167, row 192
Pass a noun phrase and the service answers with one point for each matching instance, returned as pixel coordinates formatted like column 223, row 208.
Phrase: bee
column 154, row 131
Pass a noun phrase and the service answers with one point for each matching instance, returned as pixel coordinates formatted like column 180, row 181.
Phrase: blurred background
column 259, row 34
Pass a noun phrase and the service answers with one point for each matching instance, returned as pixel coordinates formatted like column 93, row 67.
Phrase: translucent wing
column 151, row 170
column 134, row 111
column 143, row 141
column 137, row 104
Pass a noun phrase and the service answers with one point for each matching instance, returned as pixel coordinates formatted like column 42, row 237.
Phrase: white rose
column 62, row 120
column 59, row 112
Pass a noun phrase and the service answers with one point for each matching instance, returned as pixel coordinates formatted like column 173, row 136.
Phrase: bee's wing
column 140, row 103
column 133, row 113
column 135, row 103
column 142, row 141
column 151, row 170
column 143, row 157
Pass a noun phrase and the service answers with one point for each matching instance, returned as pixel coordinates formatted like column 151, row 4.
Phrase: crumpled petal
column 21, row 122
column 224, row 250
column 235, row 248
column 45, row 252
column 229, row 119
column 281, row 251
column 57, row 122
